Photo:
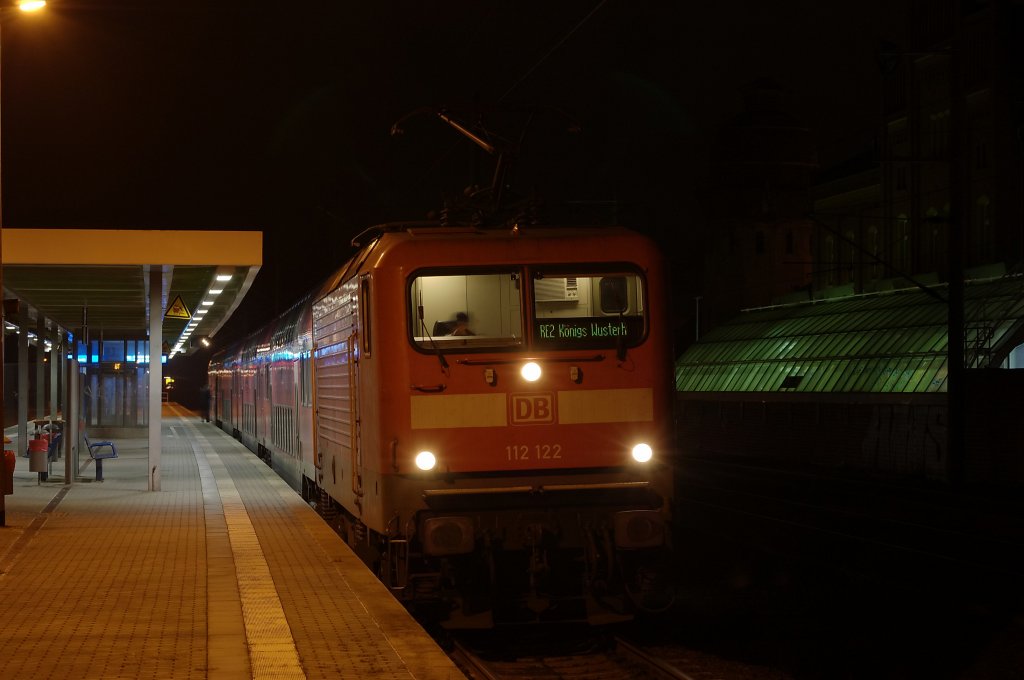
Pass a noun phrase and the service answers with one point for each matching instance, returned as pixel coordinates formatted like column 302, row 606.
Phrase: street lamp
column 24, row 6
column 27, row 6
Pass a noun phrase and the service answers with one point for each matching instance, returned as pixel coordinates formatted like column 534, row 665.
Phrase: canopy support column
column 72, row 399
column 156, row 341
column 23, row 322
column 55, row 359
column 40, row 372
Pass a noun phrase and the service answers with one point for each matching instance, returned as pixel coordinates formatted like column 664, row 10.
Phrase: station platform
column 224, row 573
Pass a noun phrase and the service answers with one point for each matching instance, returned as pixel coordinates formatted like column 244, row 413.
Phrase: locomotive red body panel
column 399, row 397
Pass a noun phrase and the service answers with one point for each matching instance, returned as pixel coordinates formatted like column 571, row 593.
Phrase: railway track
column 957, row 534
column 812, row 571
column 601, row 659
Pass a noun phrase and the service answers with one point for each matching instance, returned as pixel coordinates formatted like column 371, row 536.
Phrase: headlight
column 425, row 460
column 642, row 453
column 530, row 372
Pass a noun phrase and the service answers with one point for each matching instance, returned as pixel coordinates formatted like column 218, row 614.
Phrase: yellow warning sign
column 177, row 310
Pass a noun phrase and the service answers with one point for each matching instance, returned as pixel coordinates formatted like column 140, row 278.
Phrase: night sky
column 225, row 115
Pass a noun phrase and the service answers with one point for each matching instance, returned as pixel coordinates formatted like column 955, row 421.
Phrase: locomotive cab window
column 588, row 309
column 466, row 310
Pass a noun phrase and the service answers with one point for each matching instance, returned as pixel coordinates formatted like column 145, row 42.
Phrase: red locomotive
column 484, row 414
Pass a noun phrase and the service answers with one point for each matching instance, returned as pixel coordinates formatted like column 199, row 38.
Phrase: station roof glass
column 888, row 342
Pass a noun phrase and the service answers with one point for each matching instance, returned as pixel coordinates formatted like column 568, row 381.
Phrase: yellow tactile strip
column 227, row 651
column 272, row 652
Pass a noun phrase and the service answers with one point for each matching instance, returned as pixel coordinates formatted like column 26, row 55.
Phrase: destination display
column 588, row 331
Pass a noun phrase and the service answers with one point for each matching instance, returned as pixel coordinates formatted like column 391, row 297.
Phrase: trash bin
column 7, row 481
column 37, row 455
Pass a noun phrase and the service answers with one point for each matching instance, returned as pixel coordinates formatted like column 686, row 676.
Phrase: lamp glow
column 223, row 277
column 531, row 372
column 425, row 460
column 31, row 5
column 642, row 453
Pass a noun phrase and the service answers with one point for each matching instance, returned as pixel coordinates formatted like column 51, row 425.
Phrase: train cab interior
column 569, row 309
column 442, row 328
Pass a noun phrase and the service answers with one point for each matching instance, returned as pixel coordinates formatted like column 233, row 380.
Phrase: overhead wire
column 554, row 49
column 433, row 166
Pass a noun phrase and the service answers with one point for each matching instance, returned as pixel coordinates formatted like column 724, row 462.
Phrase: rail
column 621, row 660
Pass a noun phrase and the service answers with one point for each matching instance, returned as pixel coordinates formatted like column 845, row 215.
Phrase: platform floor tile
column 224, row 573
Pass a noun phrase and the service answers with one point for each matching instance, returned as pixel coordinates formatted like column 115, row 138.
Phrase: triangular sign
column 177, row 310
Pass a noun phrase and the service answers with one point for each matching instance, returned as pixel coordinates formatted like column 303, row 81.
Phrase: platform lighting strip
column 215, row 289
column 31, row 336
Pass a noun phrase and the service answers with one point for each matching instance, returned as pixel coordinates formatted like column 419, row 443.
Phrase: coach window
column 587, row 309
column 305, row 382
column 364, row 313
column 491, row 301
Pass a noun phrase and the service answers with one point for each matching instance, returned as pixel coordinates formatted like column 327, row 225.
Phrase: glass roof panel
column 891, row 341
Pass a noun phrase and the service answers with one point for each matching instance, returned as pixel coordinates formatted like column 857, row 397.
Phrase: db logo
column 530, row 409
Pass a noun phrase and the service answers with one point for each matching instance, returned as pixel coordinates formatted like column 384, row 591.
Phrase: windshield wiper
column 620, row 343
column 440, row 354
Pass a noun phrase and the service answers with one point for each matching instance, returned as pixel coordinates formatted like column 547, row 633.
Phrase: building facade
column 950, row 144
column 758, row 201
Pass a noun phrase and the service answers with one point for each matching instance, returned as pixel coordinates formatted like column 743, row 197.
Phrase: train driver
column 461, row 325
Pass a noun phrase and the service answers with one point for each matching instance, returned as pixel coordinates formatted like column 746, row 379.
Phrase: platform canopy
column 101, row 276
column 888, row 342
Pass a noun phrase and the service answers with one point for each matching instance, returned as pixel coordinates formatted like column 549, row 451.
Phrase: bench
column 98, row 454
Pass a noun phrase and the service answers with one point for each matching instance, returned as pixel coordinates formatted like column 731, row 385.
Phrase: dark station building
column 843, row 363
